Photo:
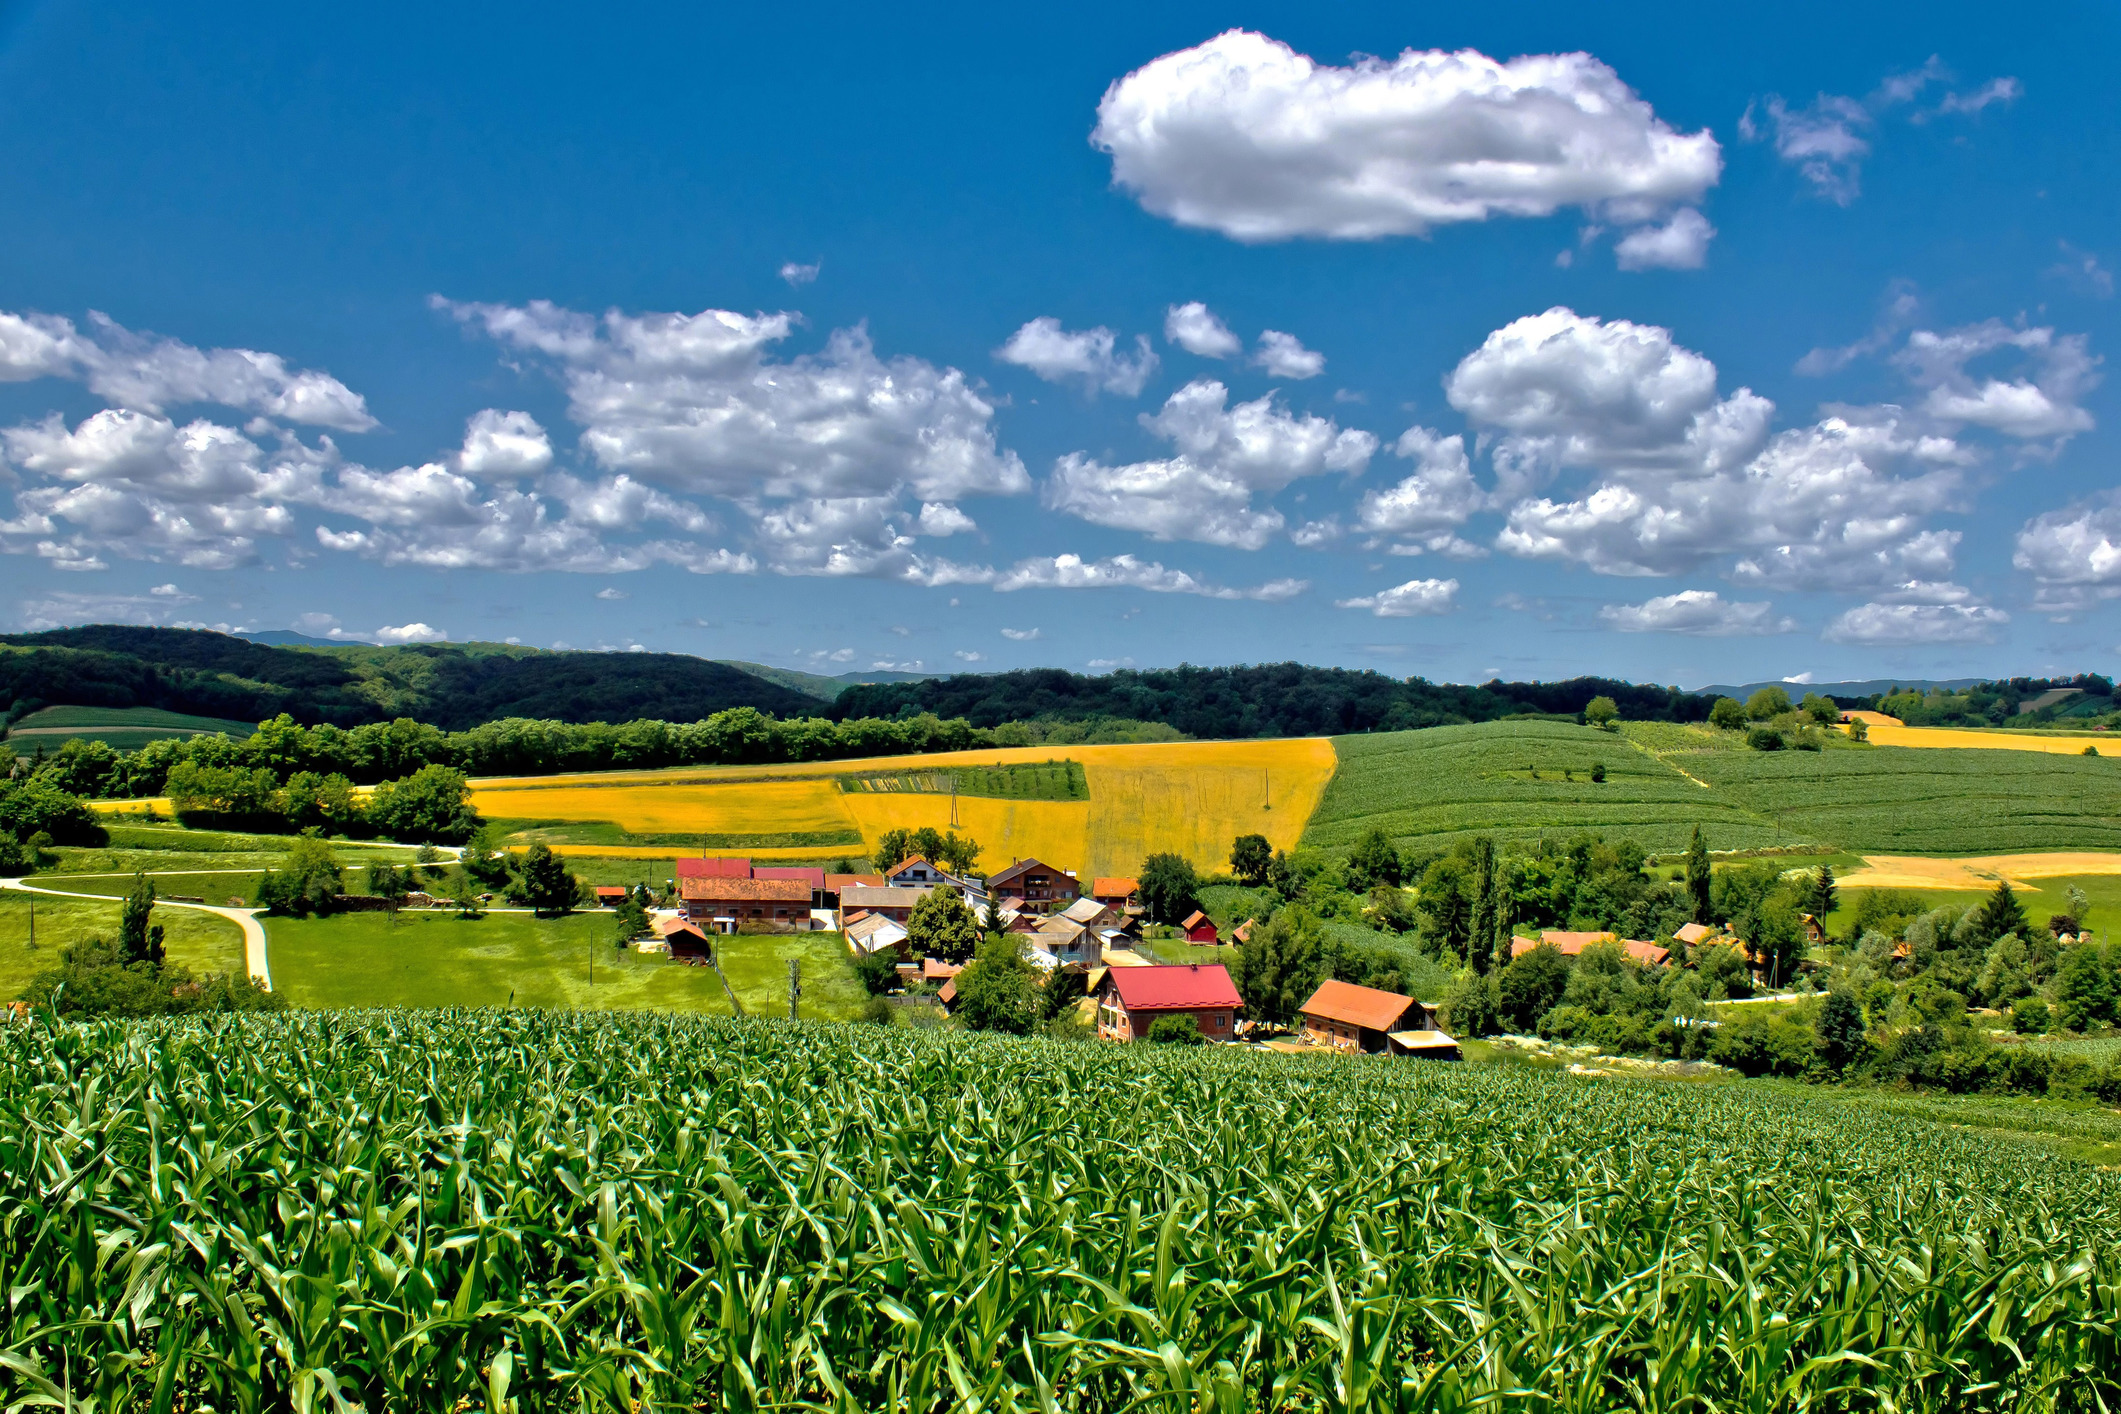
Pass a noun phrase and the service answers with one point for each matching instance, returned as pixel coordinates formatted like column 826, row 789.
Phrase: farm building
column 1092, row 913
column 1351, row 1018
column 611, row 895
column 1570, row 944
column 1200, row 928
column 1424, row 1045
column 1242, row 933
column 895, row 904
column 730, row 903
column 916, row 873
column 815, row 878
column 1064, row 941
column 874, row 933
column 1035, row 884
column 684, row 939
column 1132, row 998
column 1695, row 934
column 1118, row 894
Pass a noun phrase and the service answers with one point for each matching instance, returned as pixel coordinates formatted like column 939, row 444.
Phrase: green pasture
column 435, row 959
column 1525, row 779
column 1436, row 786
column 2040, row 897
column 604, row 832
column 1021, row 780
column 200, row 941
column 123, row 728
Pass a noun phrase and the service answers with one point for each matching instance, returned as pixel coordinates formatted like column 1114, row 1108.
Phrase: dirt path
column 255, row 960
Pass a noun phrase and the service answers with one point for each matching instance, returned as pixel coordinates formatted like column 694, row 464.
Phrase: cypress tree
column 1697, row 875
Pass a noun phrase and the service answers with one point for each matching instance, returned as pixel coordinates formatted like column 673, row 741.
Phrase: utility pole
column 795, row 985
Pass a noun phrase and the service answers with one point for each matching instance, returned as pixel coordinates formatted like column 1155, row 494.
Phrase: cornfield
column 517, row 1211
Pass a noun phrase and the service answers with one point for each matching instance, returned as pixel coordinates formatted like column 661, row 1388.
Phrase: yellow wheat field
column 688, row 807
column 1977, row 872
column 1190, row 798
column 1884, row 731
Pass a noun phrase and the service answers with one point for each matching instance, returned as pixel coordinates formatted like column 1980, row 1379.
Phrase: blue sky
column 1649, row 342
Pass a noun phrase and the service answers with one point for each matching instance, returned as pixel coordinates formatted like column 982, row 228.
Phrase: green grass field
column 1520, row 780
column 604, row 832
column 2041, row 898
column 125, row 728
column 420, row 959
column 200, row 941
column 1439, row 785
column 1022, row 780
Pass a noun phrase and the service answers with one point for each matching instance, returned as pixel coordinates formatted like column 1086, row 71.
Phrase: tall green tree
column 1445, row 906
column 996, row 992
column 1698, row 874
column 630, row 922
column 433, row 803
column 1170, row 890
column 543, row 882
column 1821, row 898
column 1601, row 711
column 2001, row 913
column 1250, row 857
column 138, row 939
column 2087, row 993
column 1767, row 702
column 1480, row 922
column 1374, row 860
column 942, row 926
column 1532, row 984
column 1283, row 962
column 1842, row 1042
column 1727, row 713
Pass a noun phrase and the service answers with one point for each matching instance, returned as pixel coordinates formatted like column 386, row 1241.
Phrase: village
column 1093, row 946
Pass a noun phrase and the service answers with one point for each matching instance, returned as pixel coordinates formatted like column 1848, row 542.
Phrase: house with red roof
column 718, row 868
column 727, row 904
column 1116, row 893
column 1351, row 1018
column 1130, row 1000
column 1034, row 885
column 916, row 873
column 1200, row 928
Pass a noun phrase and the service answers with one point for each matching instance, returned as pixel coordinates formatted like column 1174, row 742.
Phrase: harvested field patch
column 1976, row 872
column 731, row 811
column 1884, row 731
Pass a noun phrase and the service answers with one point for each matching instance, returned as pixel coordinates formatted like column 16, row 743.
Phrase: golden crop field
column 1886, row 732
column 754, row 807
column 1191, row 798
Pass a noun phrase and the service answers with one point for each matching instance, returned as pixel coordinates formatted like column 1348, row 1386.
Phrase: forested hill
column 451, row 686
column 1274, row 699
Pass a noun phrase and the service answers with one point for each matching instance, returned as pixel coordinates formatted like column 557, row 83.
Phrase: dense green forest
column 451, row 686
column 1273, row 699
column 2084, row 700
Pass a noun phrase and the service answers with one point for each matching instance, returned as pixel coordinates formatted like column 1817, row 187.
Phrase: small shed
column 611, row 895
column 686, row 940
column 1200, row 928
column 1424, row 1045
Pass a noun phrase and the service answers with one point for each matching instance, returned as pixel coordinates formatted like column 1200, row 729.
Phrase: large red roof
column 815, row 878
column 745, row 890
column 723, row 868
column 1187, row 987
column 1366, row 1007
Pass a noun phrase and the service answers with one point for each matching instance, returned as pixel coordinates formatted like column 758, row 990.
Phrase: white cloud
column 1801, row 679
column 1245, row 136
column 1127, row 572
column 2041, row 404
column 1023, row 635
column 696, row 404
column 1405, row 601
column 504, row 444
column 612, row 594
column 1058, row 355
column 798, row 275
column 172, row 593
column 411, row 633
column 938, row 519
column 1284, row 356
column 1916, row 623
column 1440, row 493
column 2073, row 554
column 1194, row 327
column 70, row 557
column 621, row 503
column 149, row 374
column 1106, row 665
column 1681, row 243
column 1224, row 457
column 1826, row 142
column 1682, row 474
column 967, row 655
column 1699, row 612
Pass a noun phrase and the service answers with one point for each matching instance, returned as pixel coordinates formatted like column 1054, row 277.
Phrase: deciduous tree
column 1170, row 890
column 1250, row 857
column 942, row 926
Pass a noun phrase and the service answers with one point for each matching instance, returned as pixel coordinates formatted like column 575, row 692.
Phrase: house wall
column 1117, row 1023
column 1322, row 1031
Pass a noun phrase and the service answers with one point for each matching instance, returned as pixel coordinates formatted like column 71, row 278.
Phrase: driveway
column 254, row 956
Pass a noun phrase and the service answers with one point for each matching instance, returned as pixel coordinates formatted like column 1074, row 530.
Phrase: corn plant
column 453, row 1211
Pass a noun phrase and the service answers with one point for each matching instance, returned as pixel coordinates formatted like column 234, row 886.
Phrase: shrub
column 2030, row 1017
column 1176, row 1030
column 1764, row 739
column 1755, row 1043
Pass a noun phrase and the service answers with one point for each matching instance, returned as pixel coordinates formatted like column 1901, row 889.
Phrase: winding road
column 255, row 960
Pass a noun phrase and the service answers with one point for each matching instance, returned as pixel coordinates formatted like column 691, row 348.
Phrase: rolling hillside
column 451, row 686
column 1521, row 780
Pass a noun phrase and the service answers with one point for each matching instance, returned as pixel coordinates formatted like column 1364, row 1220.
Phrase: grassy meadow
column 200, row 941
column 417, row 958
column 122, row 728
